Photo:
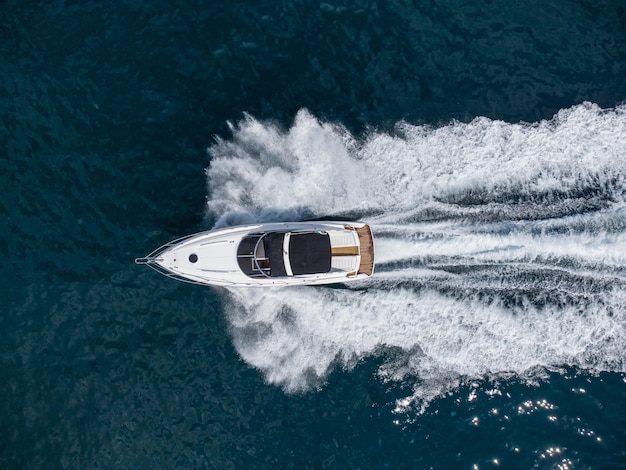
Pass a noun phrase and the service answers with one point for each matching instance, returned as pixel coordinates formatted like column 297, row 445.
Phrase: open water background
column 485, row 142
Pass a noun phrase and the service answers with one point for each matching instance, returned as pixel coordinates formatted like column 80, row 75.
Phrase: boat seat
column 260, row 251
column 345, row 263
column 339, row 238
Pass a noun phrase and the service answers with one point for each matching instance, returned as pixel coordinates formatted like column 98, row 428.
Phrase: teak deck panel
column 345, row 251
column 367, row 250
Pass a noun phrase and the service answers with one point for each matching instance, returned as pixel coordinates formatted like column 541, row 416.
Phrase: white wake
column 500, row 248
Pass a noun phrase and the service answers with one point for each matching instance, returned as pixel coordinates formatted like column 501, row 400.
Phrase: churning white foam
column 500, row 248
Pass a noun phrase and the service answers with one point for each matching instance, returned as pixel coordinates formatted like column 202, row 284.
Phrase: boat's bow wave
column 500, row 247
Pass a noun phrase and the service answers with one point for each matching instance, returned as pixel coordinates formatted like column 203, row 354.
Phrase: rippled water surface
column 485, row 144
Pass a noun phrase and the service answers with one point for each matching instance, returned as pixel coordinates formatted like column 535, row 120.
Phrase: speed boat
column 269, row 254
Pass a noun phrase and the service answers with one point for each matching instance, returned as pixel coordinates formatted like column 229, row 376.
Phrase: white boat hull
column 220, row 257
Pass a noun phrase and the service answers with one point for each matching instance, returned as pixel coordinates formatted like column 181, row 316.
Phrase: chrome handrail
column 152, row 257
column 256, row 261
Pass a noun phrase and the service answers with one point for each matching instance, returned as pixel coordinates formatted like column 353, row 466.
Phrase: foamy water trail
column 500, row 248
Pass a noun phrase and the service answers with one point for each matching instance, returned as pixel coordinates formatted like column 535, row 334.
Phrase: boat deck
column 367, row 250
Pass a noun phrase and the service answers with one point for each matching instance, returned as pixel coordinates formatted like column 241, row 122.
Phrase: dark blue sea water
column 484, row 142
